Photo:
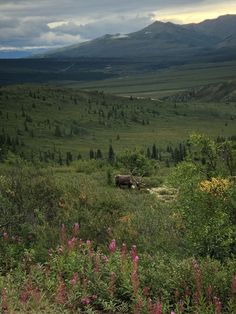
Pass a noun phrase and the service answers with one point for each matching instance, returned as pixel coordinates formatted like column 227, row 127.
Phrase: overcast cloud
column 53, row 23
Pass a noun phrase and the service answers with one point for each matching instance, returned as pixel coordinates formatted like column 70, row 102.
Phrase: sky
column 42, row 24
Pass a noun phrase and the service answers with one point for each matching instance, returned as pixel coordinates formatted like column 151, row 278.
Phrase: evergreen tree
column 57, row 131
column 60, row 161
column 154, row 152
column 111, row 154
column 99, row 154
column 91, row 154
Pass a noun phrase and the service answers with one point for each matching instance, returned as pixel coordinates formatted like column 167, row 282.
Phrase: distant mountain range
column 211, row 40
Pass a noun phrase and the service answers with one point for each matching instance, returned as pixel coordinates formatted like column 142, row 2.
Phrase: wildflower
column 198, row 281
column 75, row 229
column 61, row 295
column 4, row 301
column 86, row 300
column 88, row 243
column 123, row 251
column 106, row 259
column 145, row 291
column 112, row 283
column 74, row 279
column 5, row 236
column 71, row 243
column 89, row 246
column 157, row 308
column 133, row 252
column 138, row 306
column 112, row 246
column 63, row 234
column 209, row 293
column 215, row 186
column 135, row 281
column 135, row 262
column 181, row 306
column 172, row 312
column 97, row 263
column 218, row 305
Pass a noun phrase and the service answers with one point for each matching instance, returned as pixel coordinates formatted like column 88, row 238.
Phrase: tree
column 57, row 132
column 99, row 154
column 91, row 154
column 111, row 154
column 154, row 152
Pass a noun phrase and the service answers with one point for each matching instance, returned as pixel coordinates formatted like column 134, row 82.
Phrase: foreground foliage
column 77, row 278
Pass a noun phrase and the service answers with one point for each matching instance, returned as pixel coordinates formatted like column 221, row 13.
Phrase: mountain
column 169, row 42
column 221, row 91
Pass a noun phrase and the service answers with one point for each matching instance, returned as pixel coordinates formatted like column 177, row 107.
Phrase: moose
column 126, row 180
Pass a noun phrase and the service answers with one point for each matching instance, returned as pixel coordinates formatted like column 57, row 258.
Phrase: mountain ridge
column 158, row 39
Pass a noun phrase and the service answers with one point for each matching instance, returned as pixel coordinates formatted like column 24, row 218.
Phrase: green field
column 165, row 81
column 46, row 118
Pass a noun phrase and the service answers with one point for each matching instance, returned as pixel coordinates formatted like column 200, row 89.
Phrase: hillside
column 224, row 91
column 49, row 122
column 168, row 41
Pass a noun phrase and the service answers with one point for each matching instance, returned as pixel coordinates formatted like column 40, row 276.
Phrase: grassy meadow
column 71, row 241
column 164, row 82
column 46, row 118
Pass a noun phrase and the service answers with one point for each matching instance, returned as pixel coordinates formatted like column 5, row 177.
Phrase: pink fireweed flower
column 218, row 305
column 75, row 229
column 157, row 308
column 135, row 263
column 24, row 296
column 61, row 295
column 209, row 293
column 97, row 263
column 4, row 301
column 133, row 252
column 74, row 279
column 149, row 305
column 135, row 281
column 88, row 243
column 89, row 246
column 124, row 251
column 181, row 306
column 63, row 234
column 5, row 236
column 106, row 259
column 146, row 291
column 112, row 283
column 172, row 312
column 71, row 243
column 112, row 246
column 86, row 300
column 138, row 306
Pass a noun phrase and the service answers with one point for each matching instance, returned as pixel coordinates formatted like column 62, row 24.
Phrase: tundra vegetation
column 73, row 242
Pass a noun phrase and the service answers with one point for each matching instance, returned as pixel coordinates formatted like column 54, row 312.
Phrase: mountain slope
column 167, row 40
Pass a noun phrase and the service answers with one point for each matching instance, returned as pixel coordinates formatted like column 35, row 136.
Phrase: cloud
column 51, row 23
column 111, row 25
